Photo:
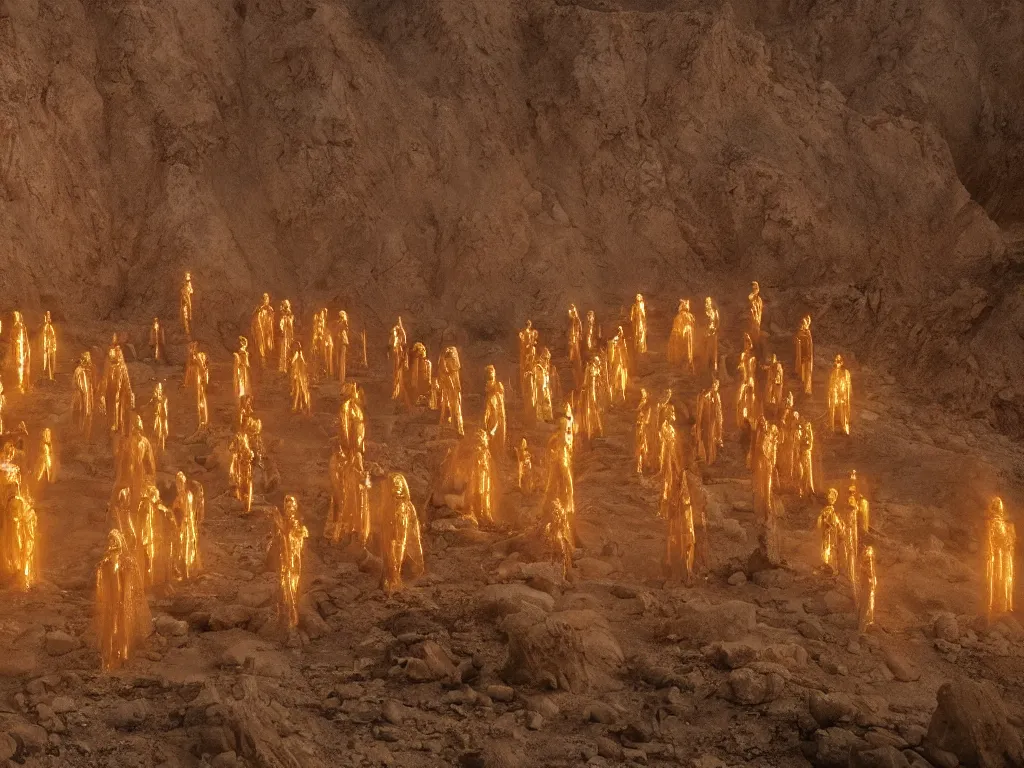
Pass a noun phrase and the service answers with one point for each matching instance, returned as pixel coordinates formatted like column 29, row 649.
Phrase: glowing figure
column 746, row 397
column 156, row 341
column 680, row 341
column 481, row 495
column 559, row 533
column 421, row 376
column 590, row 405
column 756, row 310
column 299, row 378
column 450, row 387
column 3, row 404
column 618, row 366
column 240, row 469
column 186, row 305
column 559, row 485
column 293, row 535
column 494, row 412
column 830, row 531
column 398, row 352
column 711, row 334
column 805, row 469
column 286, row 343
column 851, row 546
column 764, row 474
column 187, row 511
column 241, row 372
column 81, row 398
column 638, row 319
column 868, row 585
column 709, row 423
column 641, row 445
column 20, row 353
column 400, row 534
column 1001, row 544
column 661, row 413
column 774, row 381
column 680, row 544
column 49, row 347
column 155, row 528
column 349, row 511
column 524, row 467
column 24, row 525
column 201, row 379
column 117, row 397
column 262, row 330
column 546, row 386
column 341, row 342
column 46, row 464
column 321, row 345
column 863, row 507
column 528, row 338
column 161, row 418
column 352, row 422
column 591, row 334
column 804, row 344
column 840, row 397
column 123, row 619
column 670, row 459
column 575, row 344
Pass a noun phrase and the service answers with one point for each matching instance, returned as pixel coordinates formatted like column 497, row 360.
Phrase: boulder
column 834, row 746
column 58, row 643
column 745, row 686
column 828, row 709
column 499, row 600
column 701, row 622
column 947, row 628
column 881, row 757
column 569, row 650
column 901, row 669
column 970, row 722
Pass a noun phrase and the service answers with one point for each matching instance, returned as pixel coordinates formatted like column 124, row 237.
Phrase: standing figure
column 293, row 535
column 241, row 375
column 680, row 544
column 670, row 459
column 546, row 384
column 262, row 330
column 352, row 421
column 286, row 324
column 840, row 397
column 590, row 407
column 161, row 418
column 421, row 377
column 397, row 351
column 154, row 525
column 789, row 446
column 481, row 494
column 868, row 584
column 116, row 395
column 524, row 468
column 186, row 305
column 709, row 423
column 46, row 463
column 746, row 396
column 576, row 345
column 764, row 473
column 591, row 334
column 680, row 341
column 528, row 338
column 638, row 319
column 618, row 366
column 804, row 344
column 24, row 528
column 711, row 335
column 756, row 309
column 559, row 534
column 49, row 347
column 299, row 379
column 156, row 341
column 321, row 346
column 774, row 381
column 186, row 509
column 851, row 545
column 123, row 619
column 450, row 387
column 494, row 412
column 830, row 531
column 349, row 512
column 341, row 342
column 641, row 445
column 20, row 353
column 1001, row 545
column 81, row 400
column 400, row 533
column 559, row 483
column 201, row 379
column 240, row 469
column 805, row 470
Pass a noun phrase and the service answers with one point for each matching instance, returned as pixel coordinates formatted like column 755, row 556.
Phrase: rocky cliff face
column 489, row 161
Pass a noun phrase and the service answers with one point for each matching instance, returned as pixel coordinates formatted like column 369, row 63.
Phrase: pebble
column 600, row 712
column 501, row 693
column 534, row 721
column 59, row 643
column 738, row 579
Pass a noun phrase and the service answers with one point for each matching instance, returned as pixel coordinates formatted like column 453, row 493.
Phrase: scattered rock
column 947, row 628
column 811, row 630
column 600, row 712
column 970, row 722
column 568, row 650
column 229, row 616
column 833, row 747
column 881, row 757
column 126, row 715
column 30, row 738
column 63, row 704
column 705, row 622
column 502, row 693
column 901, row 669
column 168, row 626
column 940, row 758
column 58, row 643
column 609, row 749
column 738, row 579
column 828, row 709
column 543, row 705
column 224, row 760
column 750, row 688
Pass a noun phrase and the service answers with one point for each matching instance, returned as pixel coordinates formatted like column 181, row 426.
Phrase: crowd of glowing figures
column 151, row 544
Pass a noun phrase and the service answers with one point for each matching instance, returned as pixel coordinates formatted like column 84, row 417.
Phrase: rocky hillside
column 482, row 161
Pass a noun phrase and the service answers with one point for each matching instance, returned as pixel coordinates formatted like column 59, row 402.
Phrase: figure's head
column 833, row 495
column 839, row 361
column 573, row 311
column 86, row 358
column 869, row 552
column 137, row 424
column 639, row 298
column 399, row 321
column 188, row 277
column 796, row 417
column 243, row 343
column 266, row 299
column 343, row 317
column 852, row 501
column 715, row 385
column 685, row 303
column 707, row 303
column 643, row 394
column 522, row 443
column 670, row 414
column 774, row 359
column 286, row 305
column 17, row 316
column 853, row 475
column 590, row 315
column 755, row 288
column 398, row 486
column 806, row 322
column 529, row 324
column 152, row 493
column 46, row 317
column 995, row 509
column 115, row 542
column 47, row 435
column 291, row 505
column 490, row 374
column 159, row 389
column 179, row 481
